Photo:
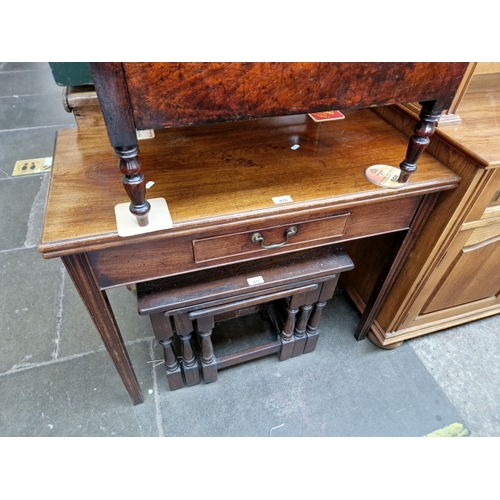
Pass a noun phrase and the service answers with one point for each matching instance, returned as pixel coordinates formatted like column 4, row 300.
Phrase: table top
column 226, row 172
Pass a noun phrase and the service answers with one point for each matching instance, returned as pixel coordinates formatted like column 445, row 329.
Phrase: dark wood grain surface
column 226, row 174
column 230, row 281
column 173, row 94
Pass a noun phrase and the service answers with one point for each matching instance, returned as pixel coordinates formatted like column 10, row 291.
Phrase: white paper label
column 255, row 281
column 282, row 199
column 145, row 134
column 159, row 218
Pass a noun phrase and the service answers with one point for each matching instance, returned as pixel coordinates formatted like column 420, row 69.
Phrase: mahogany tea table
column 224, row 184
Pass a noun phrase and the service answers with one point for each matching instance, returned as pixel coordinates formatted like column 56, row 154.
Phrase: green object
column 72, row 74
column 453, row 430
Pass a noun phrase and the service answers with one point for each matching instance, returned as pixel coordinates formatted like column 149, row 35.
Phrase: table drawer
column 261, row 240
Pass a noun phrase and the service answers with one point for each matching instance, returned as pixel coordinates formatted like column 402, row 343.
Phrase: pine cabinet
column 452, row 275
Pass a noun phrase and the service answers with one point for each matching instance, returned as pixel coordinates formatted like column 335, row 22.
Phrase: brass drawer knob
column 258, row 238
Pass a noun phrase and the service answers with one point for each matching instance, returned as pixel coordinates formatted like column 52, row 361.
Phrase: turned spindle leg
column 419, row 141
column 208, row 361
column 134, row 183
column 172, row 366
column 162, row 329
column 189, row 364
column 300, row 330
column 312, row 330
column 286, row 336
column 111, row 87
column 184, row 329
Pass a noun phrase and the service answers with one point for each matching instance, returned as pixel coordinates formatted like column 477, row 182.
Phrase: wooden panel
column 480, row 110
column 367, row 255
column 83, row 103
column 484, row 205
column 450, row 115
column 492, row 196
column 473, row 275
column 487, row 67
column 173, row 94
column 482, row 236
column 439, row 320
column 452, row 316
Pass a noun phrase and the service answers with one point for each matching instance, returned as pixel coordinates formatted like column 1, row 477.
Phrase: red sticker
column 324, row 116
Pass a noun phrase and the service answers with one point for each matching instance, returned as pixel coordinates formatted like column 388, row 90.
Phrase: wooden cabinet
column 452, row 274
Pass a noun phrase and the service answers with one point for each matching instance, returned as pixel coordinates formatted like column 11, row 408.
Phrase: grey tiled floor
column 56, row 379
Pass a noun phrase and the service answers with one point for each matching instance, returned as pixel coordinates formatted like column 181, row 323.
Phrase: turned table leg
column 286, row 336
column 184, row 329
column 134, row 183
column 312, row 330
column 208, row 361
column 111, row 86
column 99, row 308
column 162, row 329
column 419, row 141
column 300, row 329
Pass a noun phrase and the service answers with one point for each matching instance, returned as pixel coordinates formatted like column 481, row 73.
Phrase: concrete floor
column 56, row 379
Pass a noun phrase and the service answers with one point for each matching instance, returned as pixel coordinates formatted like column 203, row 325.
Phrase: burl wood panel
column 175, row 94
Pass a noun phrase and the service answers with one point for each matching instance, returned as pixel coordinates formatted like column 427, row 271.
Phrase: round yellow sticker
column 385, row 176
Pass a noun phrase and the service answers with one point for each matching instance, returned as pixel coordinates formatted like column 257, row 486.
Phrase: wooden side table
column 220, row 181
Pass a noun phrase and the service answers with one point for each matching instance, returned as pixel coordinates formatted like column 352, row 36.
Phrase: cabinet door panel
column 482, row 236
column 473, row 275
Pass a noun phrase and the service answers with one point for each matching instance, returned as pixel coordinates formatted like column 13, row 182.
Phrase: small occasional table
column 223, row 184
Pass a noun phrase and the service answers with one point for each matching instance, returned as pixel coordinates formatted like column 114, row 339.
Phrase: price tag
column 325, row 116
column 257, row 280
column 282, row 199
column 385, row 176
column 145, row 134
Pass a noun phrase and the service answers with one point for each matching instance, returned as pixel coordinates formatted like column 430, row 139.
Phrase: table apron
column 173, row 255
